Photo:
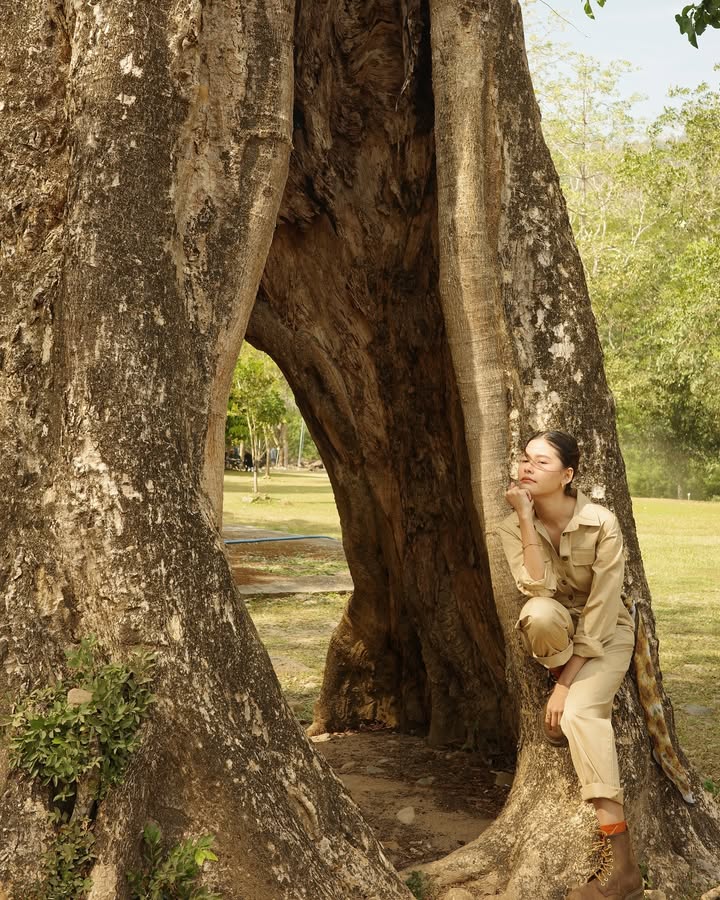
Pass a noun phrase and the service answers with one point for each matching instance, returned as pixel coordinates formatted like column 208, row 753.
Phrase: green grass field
column 680, row 542
column 300, row 503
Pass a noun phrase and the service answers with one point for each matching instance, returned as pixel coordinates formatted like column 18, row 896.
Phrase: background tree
column 256, row 398
column 658, row 302
column 643, row 204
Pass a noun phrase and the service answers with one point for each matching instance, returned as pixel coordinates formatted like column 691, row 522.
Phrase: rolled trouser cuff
column 599, row 791
column 557, row 659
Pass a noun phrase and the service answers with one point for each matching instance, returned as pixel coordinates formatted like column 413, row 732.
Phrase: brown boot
column 618, row 876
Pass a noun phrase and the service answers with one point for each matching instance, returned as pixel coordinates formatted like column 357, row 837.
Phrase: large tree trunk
column 145, row 150
column 349, row 311
column 526, row 354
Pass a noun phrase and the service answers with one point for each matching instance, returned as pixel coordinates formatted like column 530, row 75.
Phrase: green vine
column 67, row 862
column 77, row 737
column 171, row 875
column 86, row 722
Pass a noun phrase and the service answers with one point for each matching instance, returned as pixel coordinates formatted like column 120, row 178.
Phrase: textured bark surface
column 349, row 310
column 527, row 356
column 145, row 150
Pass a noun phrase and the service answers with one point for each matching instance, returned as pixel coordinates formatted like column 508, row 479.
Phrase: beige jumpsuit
column 576, row 609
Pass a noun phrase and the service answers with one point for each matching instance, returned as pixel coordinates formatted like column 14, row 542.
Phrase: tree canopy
column 692, row 20
column 644, row 203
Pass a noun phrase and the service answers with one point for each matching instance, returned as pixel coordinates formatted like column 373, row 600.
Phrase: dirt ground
column 445, row 798
column 258, row 563
column 421, row 802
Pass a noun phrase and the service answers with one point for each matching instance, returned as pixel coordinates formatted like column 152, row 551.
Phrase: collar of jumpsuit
column 576, row 546
column 586, row 513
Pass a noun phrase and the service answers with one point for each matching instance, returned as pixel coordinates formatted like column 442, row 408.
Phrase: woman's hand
column 556, row 705
column 520, row 500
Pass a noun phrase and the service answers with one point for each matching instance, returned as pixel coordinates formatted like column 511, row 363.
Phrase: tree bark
column 145, row 151
column 284, row 449
column 527, row 356
column 349, row 311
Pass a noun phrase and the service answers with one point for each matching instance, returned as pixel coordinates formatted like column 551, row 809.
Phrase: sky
column 643, row 32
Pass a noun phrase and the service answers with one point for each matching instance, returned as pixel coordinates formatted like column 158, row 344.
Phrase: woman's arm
column 532, row 555
column 556, row 703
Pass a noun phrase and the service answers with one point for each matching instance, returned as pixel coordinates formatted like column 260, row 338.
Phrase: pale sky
column 644, row 33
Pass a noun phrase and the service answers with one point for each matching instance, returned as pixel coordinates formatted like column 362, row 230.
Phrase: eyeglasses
column 543, row 464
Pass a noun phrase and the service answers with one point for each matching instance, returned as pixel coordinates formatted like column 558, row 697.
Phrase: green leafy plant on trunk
column 67, row 862
column 86, row 722
column 76, row 737
column 171, row 875
column 417, row 885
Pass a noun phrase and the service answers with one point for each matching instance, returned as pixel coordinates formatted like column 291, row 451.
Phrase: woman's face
column 541, row 471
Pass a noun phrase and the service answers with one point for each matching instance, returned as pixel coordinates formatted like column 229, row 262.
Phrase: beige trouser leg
column 546, row 629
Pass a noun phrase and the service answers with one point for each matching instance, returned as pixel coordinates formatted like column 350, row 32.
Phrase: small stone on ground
column 406, row 815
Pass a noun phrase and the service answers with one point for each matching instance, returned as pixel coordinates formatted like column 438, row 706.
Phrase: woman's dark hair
column 567, row 449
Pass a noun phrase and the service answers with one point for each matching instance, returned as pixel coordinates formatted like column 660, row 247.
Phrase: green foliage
column 256, row 400
column 261, row 404
column 309, row 450
column 417, row 885
column 645, row 211
column 67, row 862
column 58, row 742
column 711, row 787
column 171, row 875
column 645, row 872
column 695, row 18
column 588, row 7
column 692, row 21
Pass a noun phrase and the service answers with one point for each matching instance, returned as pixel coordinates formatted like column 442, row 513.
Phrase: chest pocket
column 583, row 556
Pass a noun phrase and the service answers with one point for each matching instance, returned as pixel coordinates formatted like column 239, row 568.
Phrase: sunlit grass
column 296, row 632
column 300, row 503
column 680, row 543
column 292, row 565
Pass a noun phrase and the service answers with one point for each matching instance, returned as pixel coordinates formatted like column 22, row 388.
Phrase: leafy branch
column 692, row 21
column 696, row 17
column 588, row 7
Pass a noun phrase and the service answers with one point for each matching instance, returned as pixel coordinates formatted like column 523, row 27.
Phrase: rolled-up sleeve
column 526, row 584
column 599, row 617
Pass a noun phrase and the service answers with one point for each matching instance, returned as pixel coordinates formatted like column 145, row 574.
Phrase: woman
column 566, row 555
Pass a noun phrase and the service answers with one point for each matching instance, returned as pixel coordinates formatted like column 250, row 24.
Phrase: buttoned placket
column 564, row 555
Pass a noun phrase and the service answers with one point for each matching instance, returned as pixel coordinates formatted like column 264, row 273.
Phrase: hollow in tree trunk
column 349, row 310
